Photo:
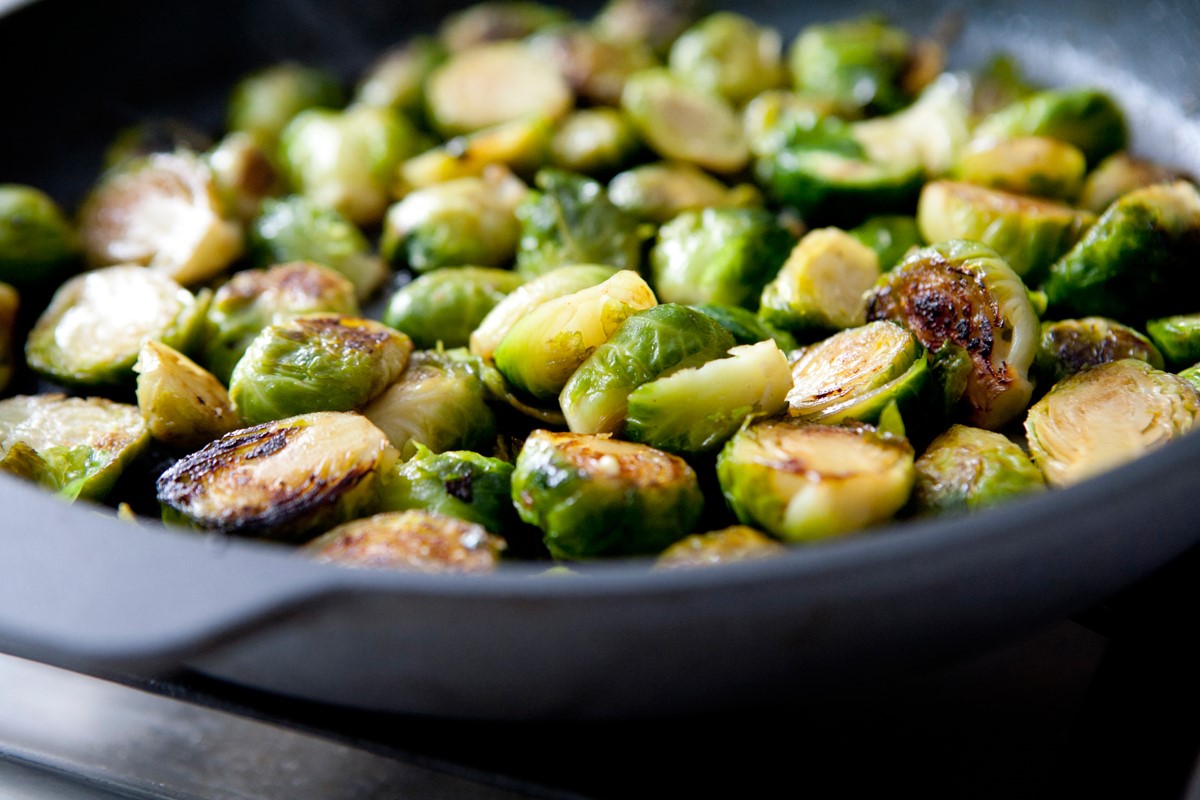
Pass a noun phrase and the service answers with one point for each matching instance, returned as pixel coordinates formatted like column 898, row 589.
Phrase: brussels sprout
column 595, row 141
column 961, row 294
column 244, row 175
column 931, row 132
column 397, row 80
column 447, row 305
column 655, row 22
column 92, row 330
column 1138, row 259
column 969, row 468
column 1027, row 232
column 497, row 21
column 1118, row 175
column 493, row 84
column 821, row 284
column 463, row 221
column 726, row 546
column 73, row 446
column 412, row 541
column 522, row 300
column 717, row 255
column 1036, row 165
column 499, row 390
column 264, row 102
column 539, row 352
column 9, row 304
column 1086, row 118
column 856, row 374
column 595, row 496
column 804, row 483
column 681, row 122
column 648, row 345
column 296, row 229
column 890, row 236
column 438, row 402
column 773, row 119
column 1071, row 345
column 1192, row 375
column 729, row 55
column 746, row 326
column 1102, row 417
column 184, row 405
column 287, row 480
column 998, row 84
column 696, row 410
column 572, row 221
column 162, row 212
column 162, row 135
column 35, row 240
column 1177, row 337
column 522, row 145
column 594, row 67
column 662, row 191
column 859, row 63
column 317, row 362
column 346, row 160
column 459, row 484
column 254, row 299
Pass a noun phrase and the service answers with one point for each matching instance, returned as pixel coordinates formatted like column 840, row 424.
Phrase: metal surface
column 80, row 587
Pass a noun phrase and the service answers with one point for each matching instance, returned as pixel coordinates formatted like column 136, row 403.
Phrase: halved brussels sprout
column 661, row 191
column 1192, row 375
column 595, row 496
column 73, row 446
column 655, row 22
column 726, row 546
column 254, row 299
column 803, row 482
column 497, row 21
column 970, row 468
column 718, row 255
column 522, row 145
column 412, row 541
column 493, row 84
column 696, row 410
column 9, row 303
column 439, row 402
column 1118, row 175
column 961, row 294
column 163, row 212
column 184, row 405
column 891, row 236
column 317, row 362
column 347, row 160
column 1086, row 118
column 729, row 55
column 594, row 66
column 1138, row 259
column 1071, row 345
column 679, row 121
column 92, row 330
column 1102, row 417
column 287, row 480
column 1027, row 232
column 998, row 84
column 1036, row 165
column 446, row 305
column 746, row 326
column 779, row 117
column 541, row 351
column 859, row 63
column 522, row 300
column 648, row 345
column 397, row 79
column 296, row 229
column 244, row 175
column 1177, row 337
column 459, row 484
column 463, row 221
column 821, row 284
column 857, row 373
column 930, row 133
column 155, row 135
column 572, row 221
column 594, row 141
column 35, row 240
column 264, row 102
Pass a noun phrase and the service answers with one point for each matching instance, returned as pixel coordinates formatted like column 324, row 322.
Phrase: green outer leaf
column 970, row 468
column 1177, row 337
column 448, row 304
column 459, row 483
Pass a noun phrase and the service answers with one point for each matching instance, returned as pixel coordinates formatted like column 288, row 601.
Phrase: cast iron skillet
column 79, row 587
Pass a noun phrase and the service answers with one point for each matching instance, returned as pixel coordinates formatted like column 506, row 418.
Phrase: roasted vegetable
column 891, row 236
column 1071, row 345
column 496, row 21
column 593, row 65
column 9, row 303
column 1120, row 174
column 523, row 146
column 459, row 484
column 858, row 63
column 726, row 546
column 412, row 541
column 397, row 79
column 970, row 469
column 729, row 55
column 655, row 22
column 594, row 141
column 661, row 191
column 184, row 405
column 821, row 284
column 1036, row 165
column 1086, row 118
column 1177, row 337
column 36, row 242
column 446, row 305
column 244, row 175
column 264, row 102
column 746, row 326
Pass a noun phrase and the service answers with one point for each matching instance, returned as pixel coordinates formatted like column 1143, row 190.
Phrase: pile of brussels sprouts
column 658, row 283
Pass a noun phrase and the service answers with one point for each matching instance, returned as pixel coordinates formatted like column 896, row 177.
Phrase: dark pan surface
column 79, row 587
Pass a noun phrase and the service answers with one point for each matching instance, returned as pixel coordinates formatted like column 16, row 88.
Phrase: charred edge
column 179, row 484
